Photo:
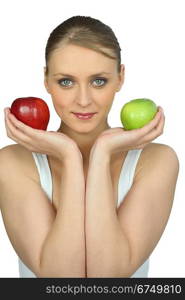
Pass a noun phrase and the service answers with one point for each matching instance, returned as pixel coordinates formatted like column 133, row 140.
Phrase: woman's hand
column 117, row 139
column 52, row 143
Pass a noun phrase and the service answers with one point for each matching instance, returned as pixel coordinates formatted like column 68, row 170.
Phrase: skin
column 92, row 143
column 83, row 93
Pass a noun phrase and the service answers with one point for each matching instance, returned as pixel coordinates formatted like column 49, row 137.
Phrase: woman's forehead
column 72, row 57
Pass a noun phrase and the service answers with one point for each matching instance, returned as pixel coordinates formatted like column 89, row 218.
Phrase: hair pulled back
column 86, row 32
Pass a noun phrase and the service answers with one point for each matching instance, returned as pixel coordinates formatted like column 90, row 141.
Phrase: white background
column 151, row 35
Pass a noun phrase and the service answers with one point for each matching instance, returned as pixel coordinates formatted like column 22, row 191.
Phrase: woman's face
column 82, row 80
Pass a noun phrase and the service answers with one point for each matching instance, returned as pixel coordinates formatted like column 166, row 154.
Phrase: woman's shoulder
column 155, row 155
column 14, row 158
column 156, row 150
column 13, row 153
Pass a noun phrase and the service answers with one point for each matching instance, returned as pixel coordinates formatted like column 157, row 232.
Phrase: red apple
column 32, row 111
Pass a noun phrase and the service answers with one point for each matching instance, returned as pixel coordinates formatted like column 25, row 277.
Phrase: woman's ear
column 121, row 77
column 46, row 81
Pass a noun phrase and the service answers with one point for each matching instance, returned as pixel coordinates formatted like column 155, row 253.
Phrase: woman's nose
column 83, row 96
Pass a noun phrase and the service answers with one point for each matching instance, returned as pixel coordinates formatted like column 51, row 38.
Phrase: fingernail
column 160, row 109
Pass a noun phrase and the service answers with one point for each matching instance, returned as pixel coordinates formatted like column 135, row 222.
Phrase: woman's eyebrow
column 93, row 75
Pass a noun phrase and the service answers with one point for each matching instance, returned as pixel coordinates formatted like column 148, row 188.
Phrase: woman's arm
column 50, row 243
column 63, row 252
column 108, row 253
column 52, row 246
column 118, row 243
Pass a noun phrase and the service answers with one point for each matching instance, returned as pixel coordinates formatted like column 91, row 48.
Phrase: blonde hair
column 86, row 32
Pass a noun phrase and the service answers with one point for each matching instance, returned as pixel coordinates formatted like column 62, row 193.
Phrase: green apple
column 137, row 113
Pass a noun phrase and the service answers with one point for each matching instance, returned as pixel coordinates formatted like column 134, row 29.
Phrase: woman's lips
column 85, row 116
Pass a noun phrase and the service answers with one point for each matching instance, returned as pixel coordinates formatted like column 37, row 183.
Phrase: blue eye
column 100, row 82
column 64, row 82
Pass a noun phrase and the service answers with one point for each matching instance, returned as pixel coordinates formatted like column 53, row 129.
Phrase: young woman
column 88, row 200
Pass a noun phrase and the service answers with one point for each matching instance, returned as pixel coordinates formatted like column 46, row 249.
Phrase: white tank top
column 124, row 184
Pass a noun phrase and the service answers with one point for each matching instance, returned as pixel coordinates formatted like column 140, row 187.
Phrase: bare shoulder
column 156, row 148
column 10, row 158
column 12, row 149
column 16, row 157
column 23, row 215
column 149, row 201
column 157, row 156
